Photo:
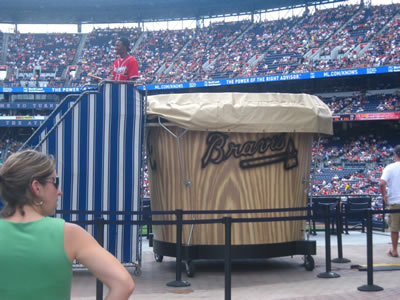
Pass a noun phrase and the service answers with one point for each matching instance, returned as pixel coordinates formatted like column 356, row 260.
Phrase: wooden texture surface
column 225, row 186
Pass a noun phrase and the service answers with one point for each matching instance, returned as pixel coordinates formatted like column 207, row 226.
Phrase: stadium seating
column 327, row 39
column 32, row 57
column 1, row 44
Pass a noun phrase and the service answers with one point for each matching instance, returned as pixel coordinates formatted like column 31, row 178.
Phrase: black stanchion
column 228, row 258
column 370, row 286
column 147, row 217
column 339, row 230
column 100, row 239
column 178, row 282
column 328, row 273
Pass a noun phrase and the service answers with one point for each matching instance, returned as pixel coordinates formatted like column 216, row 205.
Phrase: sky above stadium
column 54, row 28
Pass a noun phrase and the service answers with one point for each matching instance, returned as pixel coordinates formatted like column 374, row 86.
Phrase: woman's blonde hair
column 16, row 176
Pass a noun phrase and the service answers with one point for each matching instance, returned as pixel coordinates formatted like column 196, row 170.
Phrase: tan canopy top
column 243, row 112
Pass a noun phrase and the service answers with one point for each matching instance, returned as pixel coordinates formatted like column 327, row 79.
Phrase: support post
column 328, row 272
column 178, row 282
column 100, row 239
column 339, row 230
column 228, row 257
column 370, row 286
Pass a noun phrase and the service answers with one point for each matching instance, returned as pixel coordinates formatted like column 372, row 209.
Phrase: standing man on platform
column 125, row 66
column 390, row 189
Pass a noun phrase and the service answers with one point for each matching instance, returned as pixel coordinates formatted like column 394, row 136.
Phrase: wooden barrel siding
column 225, row 186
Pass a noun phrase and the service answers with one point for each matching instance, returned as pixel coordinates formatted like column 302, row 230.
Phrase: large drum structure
column 233, row 151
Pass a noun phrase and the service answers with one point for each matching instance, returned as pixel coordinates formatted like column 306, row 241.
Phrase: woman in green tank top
column 37, row 251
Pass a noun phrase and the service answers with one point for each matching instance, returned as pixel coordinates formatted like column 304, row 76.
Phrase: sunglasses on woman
column 55, row 181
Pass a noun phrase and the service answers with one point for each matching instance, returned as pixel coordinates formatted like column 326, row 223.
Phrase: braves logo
column 121, row 70
column 279, row 148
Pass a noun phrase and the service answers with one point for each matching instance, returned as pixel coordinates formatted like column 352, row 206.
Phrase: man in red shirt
column 125, row 66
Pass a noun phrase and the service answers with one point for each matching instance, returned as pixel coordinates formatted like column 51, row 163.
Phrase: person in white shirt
column 390, row 189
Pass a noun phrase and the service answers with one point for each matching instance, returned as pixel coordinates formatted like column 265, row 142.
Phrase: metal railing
column 227, row 221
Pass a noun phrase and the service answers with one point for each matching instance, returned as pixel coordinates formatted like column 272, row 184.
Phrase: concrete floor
column 275, row 278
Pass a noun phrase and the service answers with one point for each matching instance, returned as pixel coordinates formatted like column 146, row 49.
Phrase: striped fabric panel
column 99, row 153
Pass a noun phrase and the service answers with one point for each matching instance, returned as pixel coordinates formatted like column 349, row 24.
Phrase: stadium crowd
column 8, row 146
column 350, row 165
column 329, row 39
column 341, row 165
column 1, row 42
column 359, row 104
column 354, row 44
column 33, row 57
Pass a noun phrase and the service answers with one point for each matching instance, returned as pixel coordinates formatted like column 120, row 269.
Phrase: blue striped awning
column 99, row 149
